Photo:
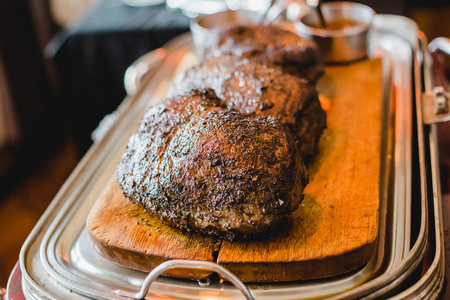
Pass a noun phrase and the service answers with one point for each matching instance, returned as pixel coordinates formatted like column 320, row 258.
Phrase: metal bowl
column 205, row 29
column 345, row 38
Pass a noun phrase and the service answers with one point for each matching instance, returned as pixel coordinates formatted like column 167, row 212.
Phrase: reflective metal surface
column 431, row 282
column 187, row 264
column 436, row 98
column 58, row 261
column 343, row 43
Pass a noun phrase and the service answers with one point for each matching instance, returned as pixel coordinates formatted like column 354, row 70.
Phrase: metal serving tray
column 58, row 261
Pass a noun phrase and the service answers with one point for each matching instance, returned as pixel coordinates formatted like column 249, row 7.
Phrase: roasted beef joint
column 257, row 90
column 204, row 168
column 269, row 45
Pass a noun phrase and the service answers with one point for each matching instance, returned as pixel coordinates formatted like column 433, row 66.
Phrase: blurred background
column 62, row 64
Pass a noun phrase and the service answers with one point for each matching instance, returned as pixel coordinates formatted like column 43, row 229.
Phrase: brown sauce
column 338, row 24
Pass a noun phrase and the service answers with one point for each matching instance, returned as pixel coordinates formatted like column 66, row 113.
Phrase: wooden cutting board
column 126, row 234
column 335, row 229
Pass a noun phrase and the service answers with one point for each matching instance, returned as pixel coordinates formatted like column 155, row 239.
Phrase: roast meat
column 257, row 90
column 269, row 45
column 203, row 168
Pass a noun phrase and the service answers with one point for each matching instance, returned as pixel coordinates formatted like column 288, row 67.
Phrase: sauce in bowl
column 345, row 38
column 337, row 24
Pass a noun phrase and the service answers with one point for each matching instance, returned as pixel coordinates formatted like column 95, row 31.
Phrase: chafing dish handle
column 436, row 102
column 138, row 70
column 186, row 264
column 440, row 43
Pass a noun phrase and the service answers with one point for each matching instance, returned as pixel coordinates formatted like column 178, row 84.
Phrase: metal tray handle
column 440, row 43
column 186, row 264
column 136, row 72
column 436, row 102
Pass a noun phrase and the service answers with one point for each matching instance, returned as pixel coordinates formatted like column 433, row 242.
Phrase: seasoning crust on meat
column 223, row 154
column 203, row 168
column 256, row 90
column 270, row 45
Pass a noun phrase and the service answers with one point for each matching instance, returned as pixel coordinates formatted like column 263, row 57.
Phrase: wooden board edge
column 142, row 262
column 128, row 257
column 303, row 270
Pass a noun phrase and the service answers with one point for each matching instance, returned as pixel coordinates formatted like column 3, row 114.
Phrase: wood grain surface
column 334, row 230
column 126, row 234
column 336, row 226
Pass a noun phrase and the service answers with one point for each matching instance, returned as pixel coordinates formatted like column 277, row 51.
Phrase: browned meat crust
column 270, row 45
column 257, row 90
column 203, row 168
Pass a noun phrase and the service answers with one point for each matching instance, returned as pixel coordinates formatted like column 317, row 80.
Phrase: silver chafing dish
column 58, row 261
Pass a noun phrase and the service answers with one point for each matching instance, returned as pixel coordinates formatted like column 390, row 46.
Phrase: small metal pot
column 338, row 43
